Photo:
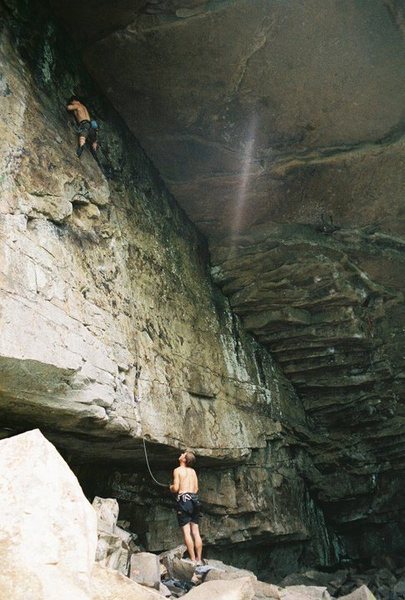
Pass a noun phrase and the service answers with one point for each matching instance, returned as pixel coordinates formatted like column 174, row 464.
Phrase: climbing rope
column 165, row 485
column 149, row 469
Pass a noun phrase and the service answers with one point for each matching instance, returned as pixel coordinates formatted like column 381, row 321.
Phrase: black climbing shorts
column 188, row 509
column 84, row 128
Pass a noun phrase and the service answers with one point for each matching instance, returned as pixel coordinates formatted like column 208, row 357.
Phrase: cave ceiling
column 279, row 128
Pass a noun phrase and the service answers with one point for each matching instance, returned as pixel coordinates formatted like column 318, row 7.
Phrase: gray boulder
column 145, row 569
column 112, row 585
column 304, row 592
column 237, row 589
column 362, row 593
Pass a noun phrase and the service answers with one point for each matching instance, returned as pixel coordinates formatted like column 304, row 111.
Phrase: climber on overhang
column 87, row 129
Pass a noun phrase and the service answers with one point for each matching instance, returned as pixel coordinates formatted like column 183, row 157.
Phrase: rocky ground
column 55, row 545
column 176, row 576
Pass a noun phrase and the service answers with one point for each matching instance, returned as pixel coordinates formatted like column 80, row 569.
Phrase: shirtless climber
column 185, row 485
column 86, row 128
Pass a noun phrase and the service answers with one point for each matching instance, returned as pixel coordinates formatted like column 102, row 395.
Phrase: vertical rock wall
column 119, row 328
column 111, row 328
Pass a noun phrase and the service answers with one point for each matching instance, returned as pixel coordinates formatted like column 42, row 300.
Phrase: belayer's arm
column 175, row 486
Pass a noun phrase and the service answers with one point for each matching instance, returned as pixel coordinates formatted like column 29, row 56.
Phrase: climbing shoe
column 79, row 151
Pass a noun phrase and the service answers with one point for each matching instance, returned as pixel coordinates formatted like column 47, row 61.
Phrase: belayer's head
column 187, row 458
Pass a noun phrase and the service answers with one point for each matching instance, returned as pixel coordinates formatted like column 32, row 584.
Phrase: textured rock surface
column 114, row 545
column 120, row 332
column 362, row 593
column 266, row 591
column 118, row 322
column 239, row 589
column 107, row 511
column 303, row 592
column 48, row 528
column 382, row 581
column 111, row 585
column 112, row 329
column 279, row 128
column 145, row 569
column 329, row 305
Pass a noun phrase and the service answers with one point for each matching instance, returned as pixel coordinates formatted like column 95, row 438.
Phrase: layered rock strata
column 329, row 306
column 111, row 328
column 279, row 128
column 120, row 331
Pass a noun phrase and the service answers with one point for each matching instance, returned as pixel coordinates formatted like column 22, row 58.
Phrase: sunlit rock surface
column 48, row 528
column 119, row 330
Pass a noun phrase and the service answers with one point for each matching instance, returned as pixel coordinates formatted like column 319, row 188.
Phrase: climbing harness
column 149, row 469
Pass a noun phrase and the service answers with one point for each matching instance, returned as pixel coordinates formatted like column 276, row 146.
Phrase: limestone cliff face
column 112, row 329
column 279, row 128
column 108, row 308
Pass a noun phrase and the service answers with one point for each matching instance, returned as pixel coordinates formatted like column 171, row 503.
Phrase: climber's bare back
column 79, row 110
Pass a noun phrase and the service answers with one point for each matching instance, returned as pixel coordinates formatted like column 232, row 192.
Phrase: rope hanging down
column 149, row 469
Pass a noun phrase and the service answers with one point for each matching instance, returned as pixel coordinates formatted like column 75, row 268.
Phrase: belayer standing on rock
column 185, row 485
column 87, row 128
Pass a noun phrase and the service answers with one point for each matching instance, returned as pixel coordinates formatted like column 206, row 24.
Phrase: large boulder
column 111, row 585
column 221, row 567
column 238, row 589
column 305, row 592
column 48, row 528
column 145, row 569
column 362, row 593
column 107, row 511
column 113, row 546
column 216, row 574
column 265, row 591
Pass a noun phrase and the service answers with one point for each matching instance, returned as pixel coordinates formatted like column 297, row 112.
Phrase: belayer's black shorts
column 188, row 509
